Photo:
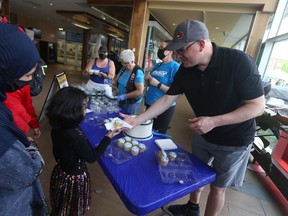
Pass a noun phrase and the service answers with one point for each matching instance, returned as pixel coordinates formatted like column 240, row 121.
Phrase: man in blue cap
column 224, row 89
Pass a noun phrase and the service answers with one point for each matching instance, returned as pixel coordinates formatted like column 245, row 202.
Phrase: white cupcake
column 172, row 156
column 127, row 146
column 128, row 139
column 164, row 161
column 134, row 150
column 118, row 123
column 142, row 147
column 135, row 143
column 161, row 154
column 120, row 142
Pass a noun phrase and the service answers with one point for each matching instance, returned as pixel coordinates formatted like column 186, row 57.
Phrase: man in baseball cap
column 188, row 31
column 224, row 89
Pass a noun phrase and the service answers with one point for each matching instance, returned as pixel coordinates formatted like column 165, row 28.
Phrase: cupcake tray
column 178, row 171
column 118, row 154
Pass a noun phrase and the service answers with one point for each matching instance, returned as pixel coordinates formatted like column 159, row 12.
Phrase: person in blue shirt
column 130, row 81
column 159, row 81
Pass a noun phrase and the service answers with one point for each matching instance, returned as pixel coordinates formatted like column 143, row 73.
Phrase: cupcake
column 118, row 123
column 127, row 146
column 128, row 139
column 134, row 150
column 172, row 156
column 142, row 147
column 161, row 154
column 135, row 143
column 120, row 142
column 164, row 161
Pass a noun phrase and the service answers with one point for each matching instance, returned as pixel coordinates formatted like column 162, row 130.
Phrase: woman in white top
column 102, row 71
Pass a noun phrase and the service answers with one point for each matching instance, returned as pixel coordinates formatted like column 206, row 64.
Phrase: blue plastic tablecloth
column 138, row 181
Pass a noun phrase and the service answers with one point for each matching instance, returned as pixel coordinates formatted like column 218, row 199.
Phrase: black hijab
column 18, row 56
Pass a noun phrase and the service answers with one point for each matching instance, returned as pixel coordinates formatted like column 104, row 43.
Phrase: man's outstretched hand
column 129, row 119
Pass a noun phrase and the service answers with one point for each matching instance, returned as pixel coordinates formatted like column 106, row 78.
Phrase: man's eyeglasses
column 182, row 50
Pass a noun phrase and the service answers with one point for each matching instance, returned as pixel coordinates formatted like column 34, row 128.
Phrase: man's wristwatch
column 159, row 85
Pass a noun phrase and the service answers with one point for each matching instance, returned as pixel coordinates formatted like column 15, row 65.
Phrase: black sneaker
column 184, row 210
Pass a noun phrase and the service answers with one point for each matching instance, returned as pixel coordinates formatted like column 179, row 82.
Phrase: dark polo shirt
column 230, row 78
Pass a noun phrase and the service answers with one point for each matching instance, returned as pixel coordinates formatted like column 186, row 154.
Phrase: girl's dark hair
column 66, row 108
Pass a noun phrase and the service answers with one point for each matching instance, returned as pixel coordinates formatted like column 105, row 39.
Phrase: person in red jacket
column 3, row 19
column 19, row 101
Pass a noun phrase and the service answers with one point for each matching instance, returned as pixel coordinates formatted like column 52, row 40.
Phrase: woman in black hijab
column 20, row 163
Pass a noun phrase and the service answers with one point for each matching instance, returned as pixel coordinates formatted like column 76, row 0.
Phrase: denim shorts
column 229, row 162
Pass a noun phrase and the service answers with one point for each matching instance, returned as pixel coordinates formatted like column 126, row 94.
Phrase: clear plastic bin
column 180, row 170
column 118, row 154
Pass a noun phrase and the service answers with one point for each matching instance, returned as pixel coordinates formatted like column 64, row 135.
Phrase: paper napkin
column 111, row 125
column 166, row 144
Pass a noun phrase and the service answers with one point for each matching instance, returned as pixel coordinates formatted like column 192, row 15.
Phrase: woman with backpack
column 130, row 81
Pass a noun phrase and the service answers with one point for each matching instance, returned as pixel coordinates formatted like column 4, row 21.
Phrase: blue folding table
column 138, row 181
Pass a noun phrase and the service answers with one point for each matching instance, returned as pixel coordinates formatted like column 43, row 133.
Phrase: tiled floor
column 256, row 198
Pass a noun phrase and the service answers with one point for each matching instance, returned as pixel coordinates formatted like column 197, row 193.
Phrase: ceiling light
column 82, row 25
column 60, row 29
column 108, row 16
column 115, row 36
column 103, row 17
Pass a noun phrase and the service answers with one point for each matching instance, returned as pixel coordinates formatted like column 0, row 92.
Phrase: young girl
column 70, row 180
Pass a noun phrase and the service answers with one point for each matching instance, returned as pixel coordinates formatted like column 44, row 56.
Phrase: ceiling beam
column 124, row 3
column 78, row 15
column 233, row 6
column 243, row 9
column 213, row 1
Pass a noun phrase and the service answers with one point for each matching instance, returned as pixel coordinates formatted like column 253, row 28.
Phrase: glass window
column 284, row 23
column 277, row 68
column 268, row 28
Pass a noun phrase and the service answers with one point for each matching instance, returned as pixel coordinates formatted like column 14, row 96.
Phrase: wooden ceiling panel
column 123, row 3
column 222, row 13
column 123, row 14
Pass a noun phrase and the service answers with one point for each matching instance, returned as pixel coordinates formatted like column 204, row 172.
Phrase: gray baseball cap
column 188, row 31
